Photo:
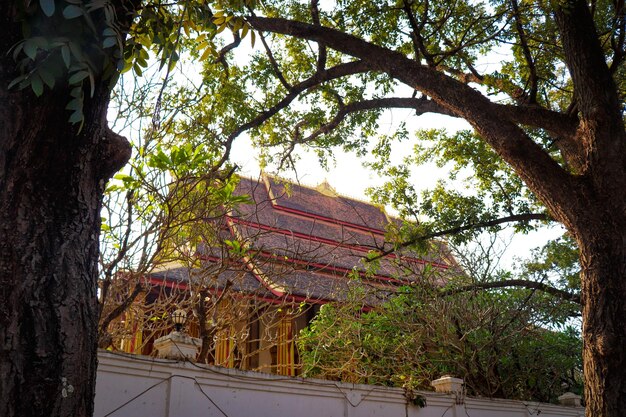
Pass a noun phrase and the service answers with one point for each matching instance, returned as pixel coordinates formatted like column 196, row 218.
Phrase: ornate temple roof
column 307, row 244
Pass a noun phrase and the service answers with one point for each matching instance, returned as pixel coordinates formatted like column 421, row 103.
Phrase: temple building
column 270, row 267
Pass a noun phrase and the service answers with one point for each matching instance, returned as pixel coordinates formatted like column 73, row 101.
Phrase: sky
column 348, row 175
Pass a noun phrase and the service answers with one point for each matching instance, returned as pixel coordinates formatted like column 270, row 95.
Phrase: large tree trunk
column 603, row 260
column 51, row 187
column 595, row 211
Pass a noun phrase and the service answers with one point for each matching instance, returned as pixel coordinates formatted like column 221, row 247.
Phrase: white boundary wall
column 140, row 386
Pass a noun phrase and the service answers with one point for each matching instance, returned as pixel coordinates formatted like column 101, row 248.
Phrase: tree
column 155, row 210
column 558, row 124
column 59, row 61
column 52, row 179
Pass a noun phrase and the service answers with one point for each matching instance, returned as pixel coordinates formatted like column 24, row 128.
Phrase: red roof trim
column 278, row 300
column 330, row 241
column 322, row 267
column 167, row 282
column 325, row 267
column 262, row 281
column 251, row 267
column 303, row 213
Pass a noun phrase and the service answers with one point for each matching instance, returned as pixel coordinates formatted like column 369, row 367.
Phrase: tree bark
column 51, row 186
column 596, row 213
column 602, row 245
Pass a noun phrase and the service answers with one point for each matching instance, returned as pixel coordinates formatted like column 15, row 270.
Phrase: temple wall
column 140, row 386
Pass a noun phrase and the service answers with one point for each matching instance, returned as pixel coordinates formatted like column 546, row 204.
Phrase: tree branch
column 459, row 229
column 416, row 36
column 601, row 123
column 522, row 283
column 420, row 105
column 322, row 56
column 221, row 58
column 341, row 70
column 561, row 125
column 277, row 71
column 119, row 309
column 593, row 84
column 526, row 157
column 532, row 95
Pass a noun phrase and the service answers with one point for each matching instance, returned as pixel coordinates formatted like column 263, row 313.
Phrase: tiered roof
column 306, row 244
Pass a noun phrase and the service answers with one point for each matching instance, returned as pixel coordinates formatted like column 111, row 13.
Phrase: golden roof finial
column 325, row 188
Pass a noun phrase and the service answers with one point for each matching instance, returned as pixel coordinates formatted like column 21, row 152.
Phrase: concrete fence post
column 448, row 384
column 178, row 346
column 569, row 399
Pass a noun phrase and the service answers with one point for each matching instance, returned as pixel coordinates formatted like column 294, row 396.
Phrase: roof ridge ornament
column 326, row 189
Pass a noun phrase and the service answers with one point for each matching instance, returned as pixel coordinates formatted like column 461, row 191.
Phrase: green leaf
column 30, row 49
column 77, row 77
column 37, row 85
column 109, row 42
column 127, row 66
column 76, row 51
column 92, row 84
column 47, row 77
column 65, row 53
column 41, row 42
column 74, row 104
column 16, row 81
column 47, row 6
column 221, row 27
column 17, row 49
column 76, row 117
column 205, row 54
column 71, row 12
column 109, row 32
column 123, row 177
column 173, row 61
column 77, row 92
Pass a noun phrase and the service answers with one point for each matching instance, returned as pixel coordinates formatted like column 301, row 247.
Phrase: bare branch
column 532, row 95
column 341, row 70
column 277, row 71
column 119, row 309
